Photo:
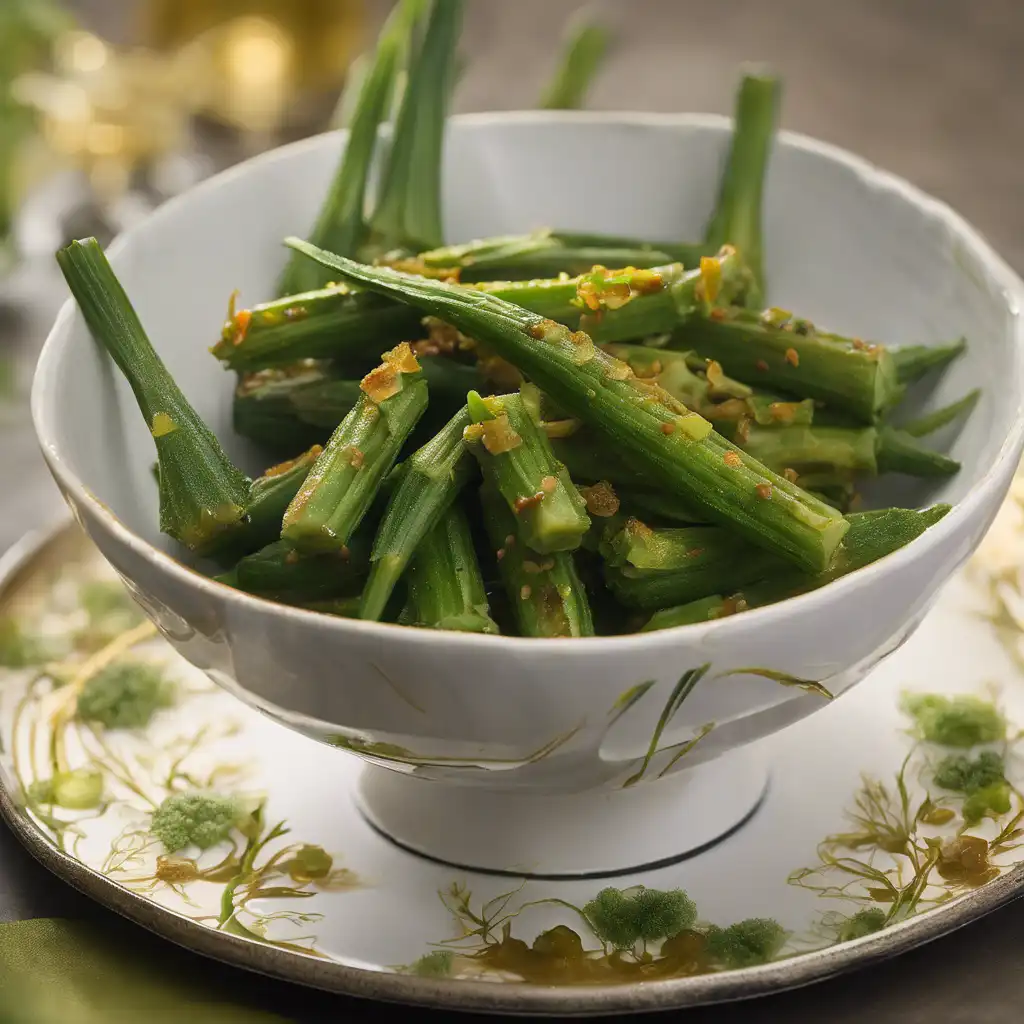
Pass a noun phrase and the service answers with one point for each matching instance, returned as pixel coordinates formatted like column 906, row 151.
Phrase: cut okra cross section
column 516, row 458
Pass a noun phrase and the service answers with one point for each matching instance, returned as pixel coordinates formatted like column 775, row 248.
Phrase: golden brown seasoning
column 522, row 503
column 668, row 428
column 601, row 499
column 498, row 436
column 761, row 365
column 284, row 467
column 792, row 357
column 791, row 474
column 731, row 458
column 764, row 490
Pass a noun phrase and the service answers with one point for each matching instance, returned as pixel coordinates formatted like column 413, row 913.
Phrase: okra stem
column 203, row 497
column 545, row 592
column 431, row 480
column 933, row 421
column 678, row 448
column 445, row 587
column 408, row 212
column 583, row 52
column 914, row 361
column 348, row 473
column 737, row 217
column 339, row 225
column 516, row 458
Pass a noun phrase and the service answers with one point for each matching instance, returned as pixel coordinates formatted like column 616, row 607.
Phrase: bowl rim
column 997, row 272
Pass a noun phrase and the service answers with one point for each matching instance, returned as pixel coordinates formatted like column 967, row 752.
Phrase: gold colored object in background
column 110, row 111
column 265, row 56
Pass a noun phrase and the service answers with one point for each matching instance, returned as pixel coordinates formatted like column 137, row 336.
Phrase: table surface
column 930, row 89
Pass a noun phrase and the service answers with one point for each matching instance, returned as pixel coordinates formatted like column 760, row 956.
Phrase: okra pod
column 431, row 479
column 678, row 448
column 332, row 322
column 281, row 573
column 864, row 450
column 545, row 592
column 336, row 322
column 701, row 386
column 872, row 535
column 516, row 458
column 737, row 217
column 776, row 350
column 203, row 496
column 651, row 568
column 346, row 477
column 288, row 407
column 445, row 587
column 408, row 211
column 339, row 225
column 583, row 52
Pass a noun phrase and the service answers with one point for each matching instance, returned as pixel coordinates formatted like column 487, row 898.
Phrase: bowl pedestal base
column 591, row 834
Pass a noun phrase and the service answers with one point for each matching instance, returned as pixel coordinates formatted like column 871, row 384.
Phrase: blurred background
column 109, row 107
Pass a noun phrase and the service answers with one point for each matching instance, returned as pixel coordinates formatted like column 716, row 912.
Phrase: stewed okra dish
column 553, row 434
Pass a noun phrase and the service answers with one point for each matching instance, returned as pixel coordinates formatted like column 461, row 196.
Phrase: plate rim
column 509, row 998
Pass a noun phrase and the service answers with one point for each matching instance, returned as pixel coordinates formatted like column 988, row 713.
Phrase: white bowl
column 848, row 246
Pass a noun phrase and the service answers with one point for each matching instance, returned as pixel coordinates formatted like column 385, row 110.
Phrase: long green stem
column 340, row 226
column 408, row 211
column 203, row 497
column 586, row 43
column 930, row 422
column 738, row 215
column 431, row 480
column 678, row 448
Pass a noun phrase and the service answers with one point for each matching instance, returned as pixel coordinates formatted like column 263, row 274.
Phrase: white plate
column 364, row 925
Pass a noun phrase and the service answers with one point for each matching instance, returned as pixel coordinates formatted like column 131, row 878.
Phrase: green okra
column 346, row 477
column 340, row 226
column 445, row 586
column 737, row 219
column 678, row 448
column 408, row 210
column 287, row 408
column 516, row 458
column 583, row 51
column 331, row 322
column 283, row 574
column 540, row 254
column 865, row 450
column 339, row 323
column 914, row 361
column 430, row 482
column 546, row 595
column 651, row 568
column 872, row 536
column 203, row 496
column 773, row 349
column 701, row 386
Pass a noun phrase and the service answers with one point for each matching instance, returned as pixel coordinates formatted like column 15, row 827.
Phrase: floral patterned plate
column 891, row 817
